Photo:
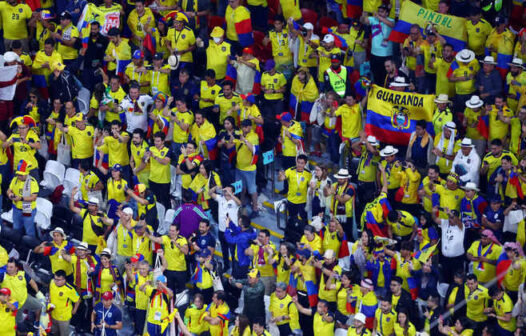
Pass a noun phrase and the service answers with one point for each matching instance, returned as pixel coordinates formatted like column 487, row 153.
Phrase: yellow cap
column 57, row 65
column 181, row 17
column 217, row 32
column 253, row 273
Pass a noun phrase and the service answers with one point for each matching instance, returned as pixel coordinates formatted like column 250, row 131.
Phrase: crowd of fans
column 178, row 108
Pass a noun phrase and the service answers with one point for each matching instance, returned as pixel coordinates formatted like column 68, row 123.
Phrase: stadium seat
column 214, row 21
column 165, row 224
column 44, row 213
column 161, row 210
column 326, row 22
column 309, row 15
column 53, row 175
column 71, row 180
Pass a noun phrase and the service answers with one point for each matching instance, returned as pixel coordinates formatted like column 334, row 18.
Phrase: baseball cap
column 246, row 123
column 285, row 116
column 57, row 65
column 117, row 167
column 269, row 65
column 107, row 295
column 136, row 258
column 248, row 50
column 5, row 291
column 158, row 56
column 217, row 32
column 328, row 38
column 65, row 15
column 113, row 31
column 139, row 188
column 335, row 58
column 308, row 26
column 93, row 200
column 138, row 54
column 128, row 211
column 254, row 273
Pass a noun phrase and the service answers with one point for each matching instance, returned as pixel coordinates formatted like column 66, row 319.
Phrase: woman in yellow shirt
column 242, row 326
column 202, row 183
column 460, row 328
column 107, row 277
column 403, row 327
column 283, row 261
column 116, row 187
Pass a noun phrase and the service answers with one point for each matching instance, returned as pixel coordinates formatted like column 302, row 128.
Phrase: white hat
column 388, row 151
column 372, row 140
column 399, row 81
column 466, row 142
column 515, row 62
column 489, row 60
column 359, row 317
column 451, row 125
column 308, row 26
column 128, row 211
column 11, row 57
column 474, row 102
column 470, row 186
column 342, row 174
column 173, row 62
column 93, row 200
column 59, row 230
column 106, row 251
column 465, row 55
column 82, row 246
column 329, row 254
column 328, row 38
column 442, row 99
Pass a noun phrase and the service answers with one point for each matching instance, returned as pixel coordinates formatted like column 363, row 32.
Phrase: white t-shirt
column 225, row 207
column 452, row 239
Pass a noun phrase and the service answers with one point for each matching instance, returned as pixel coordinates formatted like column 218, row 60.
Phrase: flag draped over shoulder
column 452, row 28
column 231, row 75
column 392, row 115
column 8, row 82
column 107, row 19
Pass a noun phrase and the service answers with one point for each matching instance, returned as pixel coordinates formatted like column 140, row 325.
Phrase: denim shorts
column 248, row 179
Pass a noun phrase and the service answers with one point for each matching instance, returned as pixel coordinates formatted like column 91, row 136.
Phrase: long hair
column 243, row 324
column 406, row 323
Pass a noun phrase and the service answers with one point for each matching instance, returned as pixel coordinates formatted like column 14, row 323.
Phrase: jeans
column 22, row 222
column 176, row 151
column 227, row 250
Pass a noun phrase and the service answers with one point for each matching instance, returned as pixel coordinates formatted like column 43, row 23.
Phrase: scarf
column 450, row 145
column 78, row 276
column 423, row 142
column 26, row 192
column 117, row 280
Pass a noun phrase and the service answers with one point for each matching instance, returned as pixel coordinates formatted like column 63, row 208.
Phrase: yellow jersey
column 175, row 258
column 298, row 185
column 182, row 40
column 217, row 56
column 14, row 20
column 159, row 173
column 81, row 142
column 138, row 24
column 68, row 33
column 63, row 298
column 23, row 151
column 477, row 35
column 273, row 82
column 246, row 159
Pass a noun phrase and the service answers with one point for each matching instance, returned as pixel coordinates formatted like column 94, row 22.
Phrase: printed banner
column 392, row 115
column 107, row 19
column 452, row 28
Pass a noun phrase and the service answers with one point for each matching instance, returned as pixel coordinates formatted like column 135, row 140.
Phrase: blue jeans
column 176, row 151
column 22, row 222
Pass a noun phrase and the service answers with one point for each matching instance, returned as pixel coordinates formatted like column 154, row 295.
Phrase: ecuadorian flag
column 354, row 8
column 231, row 75
column 452, row 28
column 305, row 107
column 243, row 25
column 392, row 115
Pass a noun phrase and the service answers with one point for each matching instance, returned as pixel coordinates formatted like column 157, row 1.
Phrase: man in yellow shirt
column 180, row 41
column 15, row 18
column 516, row 82
column 182, row 119
column 291, row 139
column 160, row 178
column 118, row 53
column 226, row 104
column 273, row 85
column 67, row 36
column 66, row 301
column 204, row 135
column 412, row 49
column 138, row 20
column 447, row 197
column 218, row 315
column 432, row 49
column 477, row 300
column 484, row 254
column 42, row 64
column 262, row 253
column 499, row 116
column 502, row 311
column 442, row 65
column 159, row 313
column 23, row 191
column 351, row 115
column 8, row 310
column 175, row 249
column 298, row 179
column 478, row 30
column 279, row 40
column 218, row 53
column 81, row 139
column 247, row 148
column 116, row 146
column 463, row 75
column 283, row 310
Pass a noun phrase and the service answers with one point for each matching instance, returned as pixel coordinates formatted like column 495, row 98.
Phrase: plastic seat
column 71, row 180
column 53, row 174
column 164, row 226
column 84, row 99
column 442, row 289
column 44, row 213
column 309, row 15
column 326, row 22
column 161, row 210
column 8, row 216
column 215, row 21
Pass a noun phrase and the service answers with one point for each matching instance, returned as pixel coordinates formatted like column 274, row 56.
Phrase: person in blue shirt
column 241, row 236
column 106, row 317
column 493, row 217
column 204, row 239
